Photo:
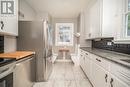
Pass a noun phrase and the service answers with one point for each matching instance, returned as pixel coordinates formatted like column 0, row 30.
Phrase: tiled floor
column 65, row 75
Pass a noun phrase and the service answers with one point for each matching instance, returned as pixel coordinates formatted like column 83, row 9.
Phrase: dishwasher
column 25, row 72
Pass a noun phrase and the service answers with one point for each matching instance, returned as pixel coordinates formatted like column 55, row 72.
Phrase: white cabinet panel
column 99, row 76
column 9, row 22
column 104, row 18
column 92, row 20
column 82, row 60
column 95, row 20
column 115, row 82
column 111, row 17
column 101, row 62
column 88, row 66
column 103, row 73
column 10, row 26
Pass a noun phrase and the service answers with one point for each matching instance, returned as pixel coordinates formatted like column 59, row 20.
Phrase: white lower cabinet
column 115, row 82
column 82, row 61
column 98, row 73
column 88, row 67
column 99, row 76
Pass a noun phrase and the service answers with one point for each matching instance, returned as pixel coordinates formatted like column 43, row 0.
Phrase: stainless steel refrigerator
column 37, row 36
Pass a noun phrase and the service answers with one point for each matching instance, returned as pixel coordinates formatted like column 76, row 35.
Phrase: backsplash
column 1, row 44
column 107, row 44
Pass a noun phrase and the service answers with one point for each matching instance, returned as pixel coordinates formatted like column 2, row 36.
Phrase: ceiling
column 59, row 8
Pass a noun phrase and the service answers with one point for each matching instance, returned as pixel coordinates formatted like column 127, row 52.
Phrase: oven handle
column 6, row 72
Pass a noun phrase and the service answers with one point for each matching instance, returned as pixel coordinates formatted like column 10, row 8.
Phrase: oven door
column 7, row 81
column 7, row 75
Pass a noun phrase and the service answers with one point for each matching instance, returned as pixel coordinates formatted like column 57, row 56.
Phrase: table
column 64, row 51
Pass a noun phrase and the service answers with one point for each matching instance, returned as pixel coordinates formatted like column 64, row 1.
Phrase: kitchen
column 64, row 43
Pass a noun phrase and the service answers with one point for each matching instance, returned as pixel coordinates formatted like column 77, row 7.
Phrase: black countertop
column 109, row 55
column 4, row 61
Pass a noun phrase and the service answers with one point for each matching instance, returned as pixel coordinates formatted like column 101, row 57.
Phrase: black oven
column 7, row 74
column 7, row 81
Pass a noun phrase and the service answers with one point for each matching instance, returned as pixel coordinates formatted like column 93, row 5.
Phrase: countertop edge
column 25, row 57
column 124, row 65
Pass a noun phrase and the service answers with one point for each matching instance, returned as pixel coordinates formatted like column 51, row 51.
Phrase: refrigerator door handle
column 45, row 33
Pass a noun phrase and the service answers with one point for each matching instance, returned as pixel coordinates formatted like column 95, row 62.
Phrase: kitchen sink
column 125, row 60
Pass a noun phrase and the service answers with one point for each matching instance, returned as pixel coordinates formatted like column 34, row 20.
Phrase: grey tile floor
column 65, row 75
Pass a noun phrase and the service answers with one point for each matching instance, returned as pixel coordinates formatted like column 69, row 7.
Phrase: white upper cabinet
column 102, row 18
column 9, row 18
column 92, row 20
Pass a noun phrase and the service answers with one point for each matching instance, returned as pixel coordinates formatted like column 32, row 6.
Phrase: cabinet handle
column 98, row 60
column 2, row 23
column 106, row 78
column 84, row 58
column 111, row 82
column 89, row 34
column 86, row 53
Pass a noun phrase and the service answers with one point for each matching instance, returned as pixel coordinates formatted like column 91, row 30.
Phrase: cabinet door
column 111, row 17
column 87, row 24
column 87, row 66
column 92, row 20
column 95, row 20
column 115, row 82
column 10, row 21
column 99, row 76
column 82, row 62
column 10, row 26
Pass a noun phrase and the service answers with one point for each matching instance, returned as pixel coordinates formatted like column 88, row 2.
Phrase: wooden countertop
column 16, row 55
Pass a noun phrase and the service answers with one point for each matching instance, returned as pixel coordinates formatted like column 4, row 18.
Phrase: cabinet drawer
column 121, row 72
column 87, row 54
column 81, row 51
column 101, row 62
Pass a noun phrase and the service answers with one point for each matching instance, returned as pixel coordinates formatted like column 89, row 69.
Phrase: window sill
column 121, row 41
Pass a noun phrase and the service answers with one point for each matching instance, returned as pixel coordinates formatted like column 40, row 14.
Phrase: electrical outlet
column 109, row 43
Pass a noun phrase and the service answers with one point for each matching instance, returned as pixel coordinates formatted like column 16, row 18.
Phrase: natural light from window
column 64, row 34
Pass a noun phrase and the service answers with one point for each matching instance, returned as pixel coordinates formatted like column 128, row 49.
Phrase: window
column 128, row 24
column 64, row 34
column 127, row 18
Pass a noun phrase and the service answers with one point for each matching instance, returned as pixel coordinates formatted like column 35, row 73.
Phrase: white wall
column 9, row 44
column 27, row 10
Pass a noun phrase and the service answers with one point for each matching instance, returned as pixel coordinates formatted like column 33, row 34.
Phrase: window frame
column 58, row 43
column 126, row 12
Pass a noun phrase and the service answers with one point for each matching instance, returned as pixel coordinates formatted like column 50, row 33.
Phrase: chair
column 54, row 56
column 75, row 56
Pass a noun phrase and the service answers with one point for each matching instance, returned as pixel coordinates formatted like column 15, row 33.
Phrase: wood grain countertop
column 17, row 55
